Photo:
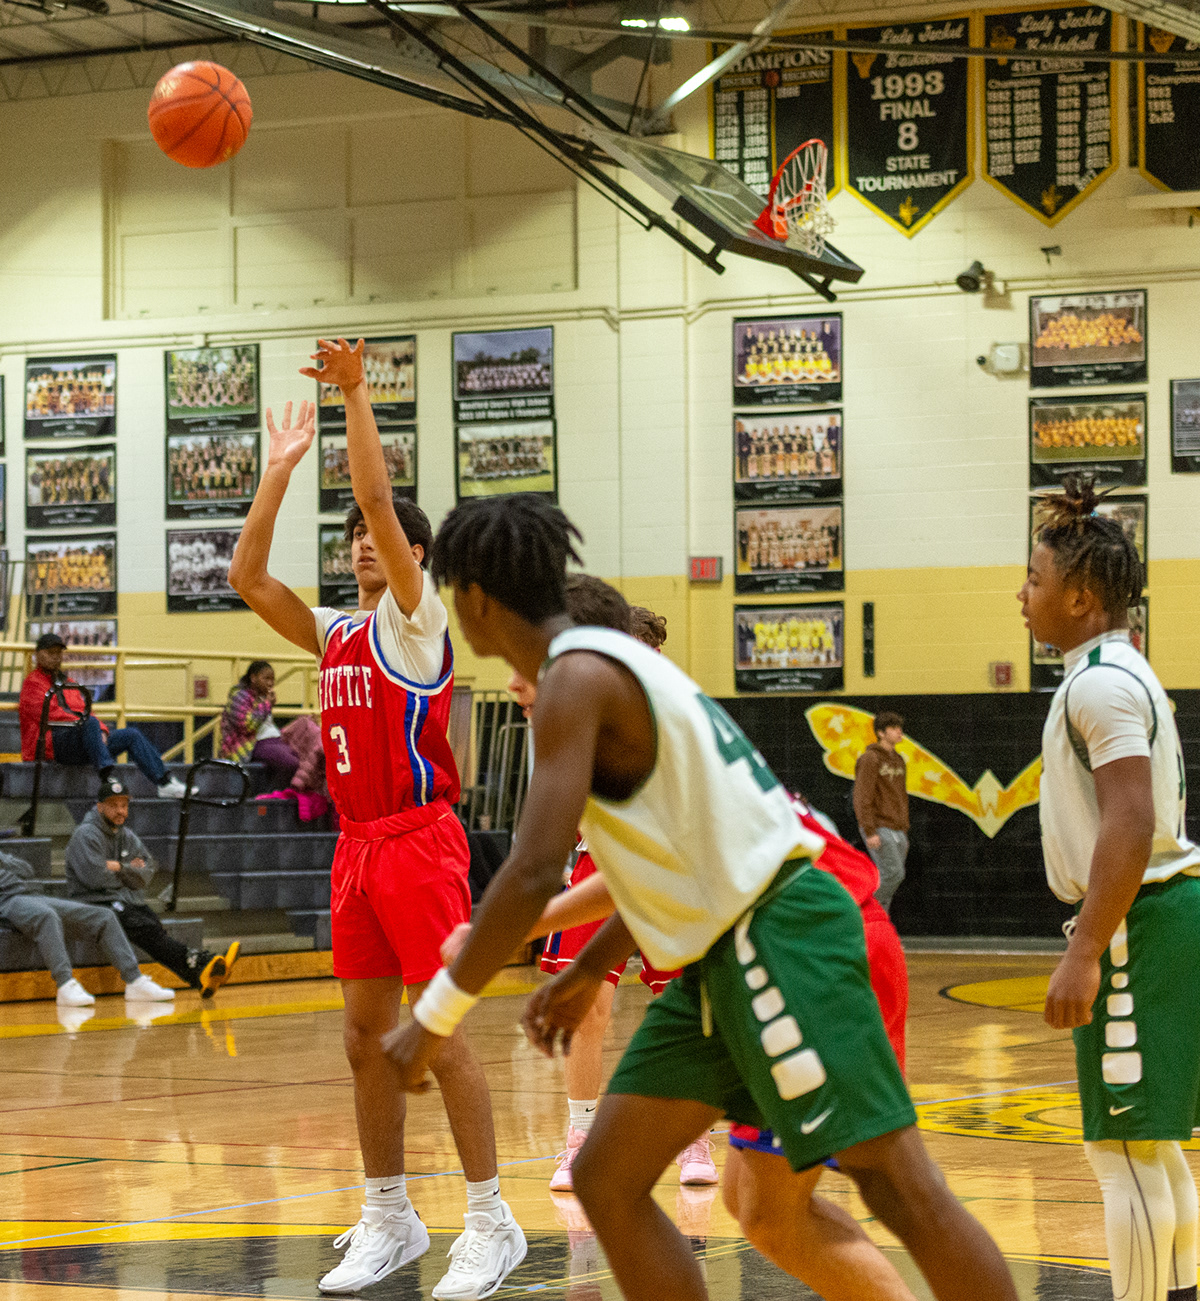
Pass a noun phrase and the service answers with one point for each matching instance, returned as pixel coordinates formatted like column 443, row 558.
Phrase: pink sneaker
column 560, row 1180
column 696, row 1164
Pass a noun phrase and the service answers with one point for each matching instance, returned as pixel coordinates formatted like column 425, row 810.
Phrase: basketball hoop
column 797, row 212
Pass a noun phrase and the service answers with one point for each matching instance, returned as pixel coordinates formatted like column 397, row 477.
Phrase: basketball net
column 797, row 211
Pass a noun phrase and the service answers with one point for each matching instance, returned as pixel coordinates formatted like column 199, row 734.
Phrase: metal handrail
column 207, row 801
column 28, row 819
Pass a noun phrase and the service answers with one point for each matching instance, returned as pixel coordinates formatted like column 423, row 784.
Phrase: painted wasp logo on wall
column 844, row 732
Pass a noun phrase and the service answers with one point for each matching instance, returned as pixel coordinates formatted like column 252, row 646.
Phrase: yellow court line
column 503, row 984
column 1016, row 993
column 85, row 1233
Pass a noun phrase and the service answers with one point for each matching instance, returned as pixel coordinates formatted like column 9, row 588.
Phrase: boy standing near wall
column 881, row 803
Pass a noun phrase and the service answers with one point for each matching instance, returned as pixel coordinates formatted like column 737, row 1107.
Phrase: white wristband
column 443, row 1005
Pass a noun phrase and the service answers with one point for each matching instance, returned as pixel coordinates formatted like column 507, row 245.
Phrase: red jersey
column 33, row 693
column 385, row 688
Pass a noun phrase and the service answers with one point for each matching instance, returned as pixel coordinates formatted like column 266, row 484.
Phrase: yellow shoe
column 217, row 970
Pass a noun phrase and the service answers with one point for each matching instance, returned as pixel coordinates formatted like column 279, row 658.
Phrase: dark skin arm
column 592, row 728
column 1126, row 799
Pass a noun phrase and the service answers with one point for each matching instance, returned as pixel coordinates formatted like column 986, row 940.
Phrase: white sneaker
column 147, row 990
column 378, row 1245
column 73, row 994
column 172, row 789
column 482, row 1256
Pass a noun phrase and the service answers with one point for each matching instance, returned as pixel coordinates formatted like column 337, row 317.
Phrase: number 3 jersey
column 385, row 686
column 707, row 830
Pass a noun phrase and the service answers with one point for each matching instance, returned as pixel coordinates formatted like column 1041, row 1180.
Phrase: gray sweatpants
column 889, row 858
column 47, row 922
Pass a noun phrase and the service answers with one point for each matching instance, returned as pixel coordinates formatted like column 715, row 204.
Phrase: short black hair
column 515, row 546
column 413, row 520
column 1091, row 550
column 594, row 603
column 886, row 718
column 648, row 627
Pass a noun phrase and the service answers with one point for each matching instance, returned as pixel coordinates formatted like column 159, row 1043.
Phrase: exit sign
column 706, row 569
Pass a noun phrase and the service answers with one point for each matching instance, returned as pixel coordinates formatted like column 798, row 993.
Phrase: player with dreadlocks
column 1115, row 845
column 773, row 1021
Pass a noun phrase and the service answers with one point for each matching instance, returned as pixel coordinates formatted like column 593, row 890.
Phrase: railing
column 28, row 819
column 190, row 797
column 300, row 671
column 499, row 758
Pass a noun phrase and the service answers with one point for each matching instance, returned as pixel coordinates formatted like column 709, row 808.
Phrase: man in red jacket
column 75, row 743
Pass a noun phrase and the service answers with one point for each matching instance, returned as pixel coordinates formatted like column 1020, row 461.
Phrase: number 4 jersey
column 707, row 830
column 385, row 687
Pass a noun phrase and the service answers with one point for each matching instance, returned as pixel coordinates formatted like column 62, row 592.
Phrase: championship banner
column 909, row 121
column 1168, row 121
column 768, row 104
column 1050, row 127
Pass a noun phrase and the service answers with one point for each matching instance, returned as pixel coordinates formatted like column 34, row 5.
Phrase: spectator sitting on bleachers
column 248, row 732
column 49, row 922
column 75, row 743
column 108, row 865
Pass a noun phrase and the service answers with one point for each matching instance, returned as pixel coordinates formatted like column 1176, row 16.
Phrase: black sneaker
column 217, row 969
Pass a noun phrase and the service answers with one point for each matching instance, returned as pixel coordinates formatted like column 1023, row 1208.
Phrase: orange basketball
column 199, row 114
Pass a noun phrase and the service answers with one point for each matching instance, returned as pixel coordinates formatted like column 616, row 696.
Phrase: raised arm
column 342, row 365
column 273, row 602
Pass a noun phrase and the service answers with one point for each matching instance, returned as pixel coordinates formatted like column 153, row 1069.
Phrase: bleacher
column 254, row 872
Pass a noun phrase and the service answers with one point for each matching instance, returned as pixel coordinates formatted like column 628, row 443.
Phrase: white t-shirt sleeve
column 413, row 646
column 325, row 617
column 1112, row 712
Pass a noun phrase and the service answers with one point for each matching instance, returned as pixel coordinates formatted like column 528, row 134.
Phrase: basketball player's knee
column 362, row 1043
column 592, row 1180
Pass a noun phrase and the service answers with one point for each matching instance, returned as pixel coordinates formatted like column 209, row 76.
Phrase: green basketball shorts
column 777, row 1027
column 1139, row 1059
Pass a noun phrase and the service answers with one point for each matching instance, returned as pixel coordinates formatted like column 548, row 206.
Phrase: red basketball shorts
column 398, row 887
column 563, row 947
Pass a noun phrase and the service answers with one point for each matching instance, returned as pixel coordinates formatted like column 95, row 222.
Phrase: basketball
column 199, row 114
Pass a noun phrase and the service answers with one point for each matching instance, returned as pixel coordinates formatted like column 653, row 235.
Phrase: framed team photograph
column 1185, row 426
column 212, row 390
column 337, row 585
column 71, row 397
column 1046, row 662
column 83, row 661
column 1087, row 339
column 497, row 459
column 68, row 576
column 787, row 455
column 70, row 488
column 2, row 415
column 1105, row 436
column 503, row 375
column 789, row 647
column 788, row 548
column 390, row 366
column 1129, row 512
column 399, row 453
column 784, row 360
column 198, row 570
column 3, row 506
column 211, row 476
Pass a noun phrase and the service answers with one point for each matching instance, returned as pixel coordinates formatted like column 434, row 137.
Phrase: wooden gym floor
column 211, row 1152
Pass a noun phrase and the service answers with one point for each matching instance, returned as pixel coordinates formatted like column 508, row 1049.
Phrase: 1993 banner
column 909, row 121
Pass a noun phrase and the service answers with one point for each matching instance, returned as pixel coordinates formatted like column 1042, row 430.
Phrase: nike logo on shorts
column 809, row 1125
column 1117, row 1111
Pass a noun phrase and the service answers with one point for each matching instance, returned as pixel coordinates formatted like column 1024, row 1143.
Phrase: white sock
column 485, row 1196
column 389, row 1194
column 583, row 1112
column 1182, row 1273
column 1139, row 1216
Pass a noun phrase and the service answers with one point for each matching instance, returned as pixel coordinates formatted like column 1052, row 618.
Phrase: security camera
column 972, row 280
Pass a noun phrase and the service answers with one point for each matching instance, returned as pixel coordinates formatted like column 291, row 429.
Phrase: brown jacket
column 880, row 792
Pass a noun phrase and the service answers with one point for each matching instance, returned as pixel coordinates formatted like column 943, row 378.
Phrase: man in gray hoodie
column 108, row 865
column 50, row 922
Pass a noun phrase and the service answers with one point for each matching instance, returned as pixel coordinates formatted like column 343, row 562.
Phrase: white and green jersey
column 1110, row 706
column 703, row 835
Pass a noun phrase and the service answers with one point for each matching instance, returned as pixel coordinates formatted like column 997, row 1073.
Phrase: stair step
column 203, row 903
column 280, row 942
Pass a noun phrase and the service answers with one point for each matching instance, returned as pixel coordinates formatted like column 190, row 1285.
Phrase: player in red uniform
column 399, row 878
